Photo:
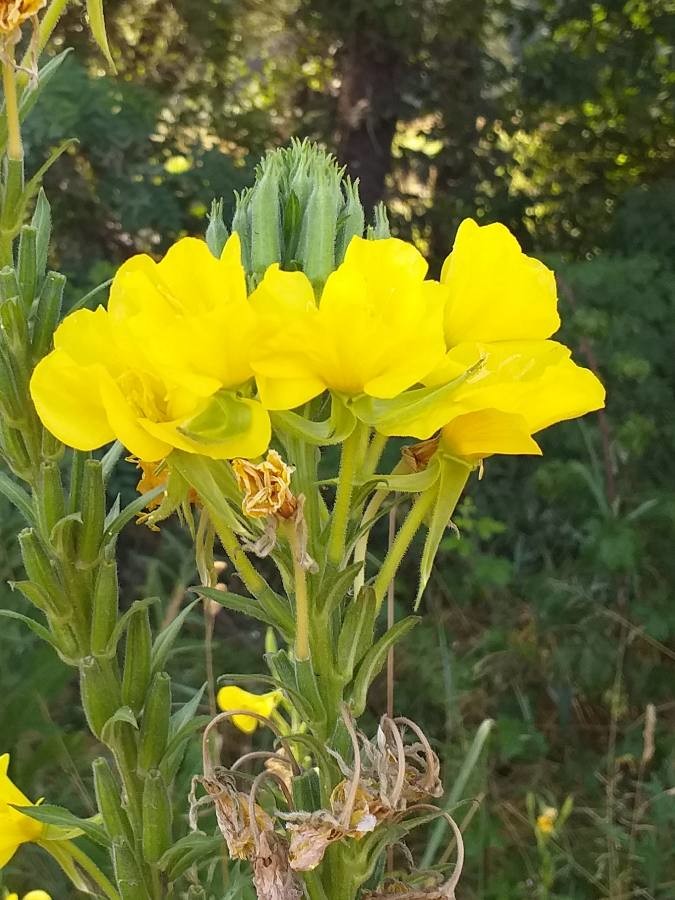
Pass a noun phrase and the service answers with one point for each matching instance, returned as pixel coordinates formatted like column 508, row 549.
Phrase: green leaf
column 17, row 497
column 335, row 585
column 122, row 623
column 333, row 430
column 64, row 824
column 188, row 850
column 247, row 605
column 37, row 629
column 374, row 660
column 187, row 711
column 97, row 25
column 214, row 482
column 356, row 635
column 453, row 477
column 165, row 639
column 129, row 512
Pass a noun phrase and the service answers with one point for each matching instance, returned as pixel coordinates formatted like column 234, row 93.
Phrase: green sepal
column 413, row 482
column 156, row 836
column 216, row 232
column 225, row 415
column 62, row 825
column 137, row 660
column 374, row 661
column 155, row 723
column 100, row 692
column 107, row 790
column 356, row 635
column 452, row 481
column 333, row 430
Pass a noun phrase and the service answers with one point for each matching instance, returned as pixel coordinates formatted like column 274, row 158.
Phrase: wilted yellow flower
column 266, row 487
column 377, row 329
column 500, row 313
column 162, row 366
column 13, row 13
column 15, row 827
column 546, row 821
column 233, row 697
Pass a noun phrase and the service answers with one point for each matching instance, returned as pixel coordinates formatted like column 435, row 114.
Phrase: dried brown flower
column 13, row 13
column 266, row 487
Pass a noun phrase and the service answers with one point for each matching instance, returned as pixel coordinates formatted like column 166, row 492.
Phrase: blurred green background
column 553, row 614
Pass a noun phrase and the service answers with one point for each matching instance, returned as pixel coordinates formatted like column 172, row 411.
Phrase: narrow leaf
column 97, row 25
column 165, row 639
column 375, row 659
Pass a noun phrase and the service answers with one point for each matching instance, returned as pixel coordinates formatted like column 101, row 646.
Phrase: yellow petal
column 476, row 435
column 37, row 895
column 248, row 444
column 128, row 427
column 68, row 401
column 287, row 393
column 386, row 263
column 15, row 827
column 232, row 697
column 496, row 292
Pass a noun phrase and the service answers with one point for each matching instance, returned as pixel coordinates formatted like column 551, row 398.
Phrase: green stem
column 374, row 454
column 47, row 25
column 341, row 509
column 252, row 579
column 404, row 537
column 14, row 146
column 301, row 599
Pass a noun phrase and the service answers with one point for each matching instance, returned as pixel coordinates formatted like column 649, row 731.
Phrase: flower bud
column 380, row 229
column 100, row 692
column 93, row 512
column 352, row 220
column 137, row 660
column 156, row 817
column 265, row 217
column 216, row 233
column 105, row 606
column 42, row 222
column 27, row 265
column 51, row 502
column 155, row 724
column 40, row 571
column 47, row 314
column 316, row 249
column 241, row 223
column 109, row 805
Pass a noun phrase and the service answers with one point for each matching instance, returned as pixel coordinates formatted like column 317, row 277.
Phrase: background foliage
column 553, row 613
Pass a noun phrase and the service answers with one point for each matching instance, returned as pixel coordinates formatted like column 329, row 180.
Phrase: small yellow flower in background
column 266, row 487
column 15, row 827
column 377, row 329
column 160, row 367
column 500, row 313
column 31, row 895
column 13, row 13
column 546, row 820
column 153, row 475
column 232, row 697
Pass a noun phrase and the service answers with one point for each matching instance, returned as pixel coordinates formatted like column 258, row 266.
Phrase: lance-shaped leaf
column 356, row 635
column 64, row 825
column 374, row 660
column 277, row 615
column 453, row 477
column 97, row 25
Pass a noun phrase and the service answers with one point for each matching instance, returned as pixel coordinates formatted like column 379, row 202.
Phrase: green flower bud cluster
column 301, row 212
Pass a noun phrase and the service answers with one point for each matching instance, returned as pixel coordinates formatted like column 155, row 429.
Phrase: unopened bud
column 39, row 569
column 47, row 314
column 352, row 220
column 316, row 248
column 105, row 606
column 93, row 512
column 42, row 222
column 156, row 817
column 52, row 506
column 100, row 692
column 216, row 233
column 128, row 874
column 265, row 217
column 137, row 660
column 109, row 805
column 27, row 265
column 155, row 724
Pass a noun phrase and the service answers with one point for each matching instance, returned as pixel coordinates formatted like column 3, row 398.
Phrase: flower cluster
column 183, row 357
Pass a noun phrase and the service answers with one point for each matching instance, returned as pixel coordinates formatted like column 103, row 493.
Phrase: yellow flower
column 377, row 329
column 159, row 369
column 15, row 827
column 13, row 13
column 500, row 313
column 232, row 697
column 266, row 487
column 546, row 821
column 31, row 895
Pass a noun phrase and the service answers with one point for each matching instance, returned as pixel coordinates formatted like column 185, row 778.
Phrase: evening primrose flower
column 376, row 330
column 512, row 381
column 15, row 827
column 165, row 366
column 31, row 895
column 233, row 697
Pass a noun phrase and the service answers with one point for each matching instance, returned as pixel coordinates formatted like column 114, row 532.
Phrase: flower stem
column 340, row 515
column 14, row 145
column 301, row 599
column 404, row 537
column 66, row 853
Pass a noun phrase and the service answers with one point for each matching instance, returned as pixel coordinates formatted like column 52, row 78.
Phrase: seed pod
column 156, row 817
column 47, row 314
column 39, row 570
column 108, row 801
column 128, row 874
column 27, row 265
column 105, row 607
column 100, row 693
column 52, row 505
column 93, row 512
column 137, row 660
column 155, row 724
